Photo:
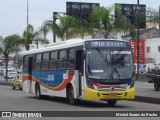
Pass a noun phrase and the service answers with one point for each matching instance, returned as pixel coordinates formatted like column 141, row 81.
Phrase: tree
column 9, row 45
column 153, row 16
column 62, row 26
column 140, row 18
column 83, row 27
column 29, row 35
column 101, row 20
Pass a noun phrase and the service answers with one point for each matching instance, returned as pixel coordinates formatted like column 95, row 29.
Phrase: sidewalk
column 3, row 82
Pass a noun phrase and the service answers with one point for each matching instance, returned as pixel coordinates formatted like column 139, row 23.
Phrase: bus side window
column 62, row 59
column 53, row 60
column 45, row 60
column 71, row 59
column 38, row 61
column 25, row 63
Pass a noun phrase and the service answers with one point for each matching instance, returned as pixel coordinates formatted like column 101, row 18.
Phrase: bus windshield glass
column 105, row 64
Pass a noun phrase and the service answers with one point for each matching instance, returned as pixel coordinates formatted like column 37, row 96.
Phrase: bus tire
column 38, row 91
column 156, row 86
column 70, row 96
column 111, row 102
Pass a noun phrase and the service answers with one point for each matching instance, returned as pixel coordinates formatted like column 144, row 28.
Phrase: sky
column 13, row 13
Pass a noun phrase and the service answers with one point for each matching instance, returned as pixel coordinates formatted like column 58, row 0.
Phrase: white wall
column 153, row 44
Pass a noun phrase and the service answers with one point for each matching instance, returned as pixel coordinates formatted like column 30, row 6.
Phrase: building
column 141, row 51
column 149, row 47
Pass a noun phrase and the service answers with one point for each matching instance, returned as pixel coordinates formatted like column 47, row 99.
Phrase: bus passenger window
column 62, row 59
column 25, row 62
column 71, row 59
column 45, row 60
column 53, row 60
column 38, row 62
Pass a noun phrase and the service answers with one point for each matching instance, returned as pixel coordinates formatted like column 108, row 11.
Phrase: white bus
column 81, row 69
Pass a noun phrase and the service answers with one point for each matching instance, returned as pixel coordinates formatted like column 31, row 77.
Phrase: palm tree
column 153, row 15
column 9, row 45
column 82, row 28
column 29, row 35
column 101, row 20
column 64, row 28
column 140, row 17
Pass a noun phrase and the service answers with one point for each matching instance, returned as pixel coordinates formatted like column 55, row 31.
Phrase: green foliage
column 102, row 20
column 62, row 26
column 8, row 45
column 153, row 15
column 30, row 35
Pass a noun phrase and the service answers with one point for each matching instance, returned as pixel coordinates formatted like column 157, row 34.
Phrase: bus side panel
column 63, row 78
column 26, row 81
column 48, row 77
column 33, row 86
column 35, row 78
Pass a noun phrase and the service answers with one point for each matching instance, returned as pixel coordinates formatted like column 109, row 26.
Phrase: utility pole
column 54, row 20
column 138, row 42
column 159, row 18
column 27, row 21
column 27, row 14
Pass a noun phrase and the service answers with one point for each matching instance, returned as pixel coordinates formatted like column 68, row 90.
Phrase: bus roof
column 63, row 44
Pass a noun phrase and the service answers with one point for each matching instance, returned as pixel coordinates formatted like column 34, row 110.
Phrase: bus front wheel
column 38, row 91
column 112, row 102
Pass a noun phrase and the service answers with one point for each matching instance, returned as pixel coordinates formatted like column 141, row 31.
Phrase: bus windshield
column 105, row 64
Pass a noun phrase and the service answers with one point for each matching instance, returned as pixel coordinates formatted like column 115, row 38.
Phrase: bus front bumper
column 92, row 94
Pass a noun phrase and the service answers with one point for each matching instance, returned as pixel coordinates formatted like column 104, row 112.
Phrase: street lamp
column 27, row 22
column 54, row 20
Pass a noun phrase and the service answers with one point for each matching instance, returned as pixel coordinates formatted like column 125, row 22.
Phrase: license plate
column 112, row 94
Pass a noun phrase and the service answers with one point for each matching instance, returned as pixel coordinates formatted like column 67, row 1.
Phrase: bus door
column 30, row 73
column 79, row 67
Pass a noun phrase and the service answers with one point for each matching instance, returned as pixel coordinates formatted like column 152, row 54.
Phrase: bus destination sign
column 108, row 44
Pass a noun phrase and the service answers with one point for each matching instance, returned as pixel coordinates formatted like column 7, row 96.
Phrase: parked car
column 17, row 82
column 12, row 72
column 2, row 69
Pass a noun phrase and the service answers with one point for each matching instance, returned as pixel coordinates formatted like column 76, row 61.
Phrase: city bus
column 79, row 69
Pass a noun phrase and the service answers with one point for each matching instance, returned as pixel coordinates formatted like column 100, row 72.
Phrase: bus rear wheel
column 70, row 96
column 38, row 91
column 111, row 102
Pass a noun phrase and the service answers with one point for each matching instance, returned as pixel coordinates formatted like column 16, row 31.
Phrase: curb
column 147, row 99
column 4, row 83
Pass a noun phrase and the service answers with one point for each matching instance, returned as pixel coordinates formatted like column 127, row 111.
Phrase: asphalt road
column 11, row 100
column 16, row 100
column 145, row 87
column 145, row 92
